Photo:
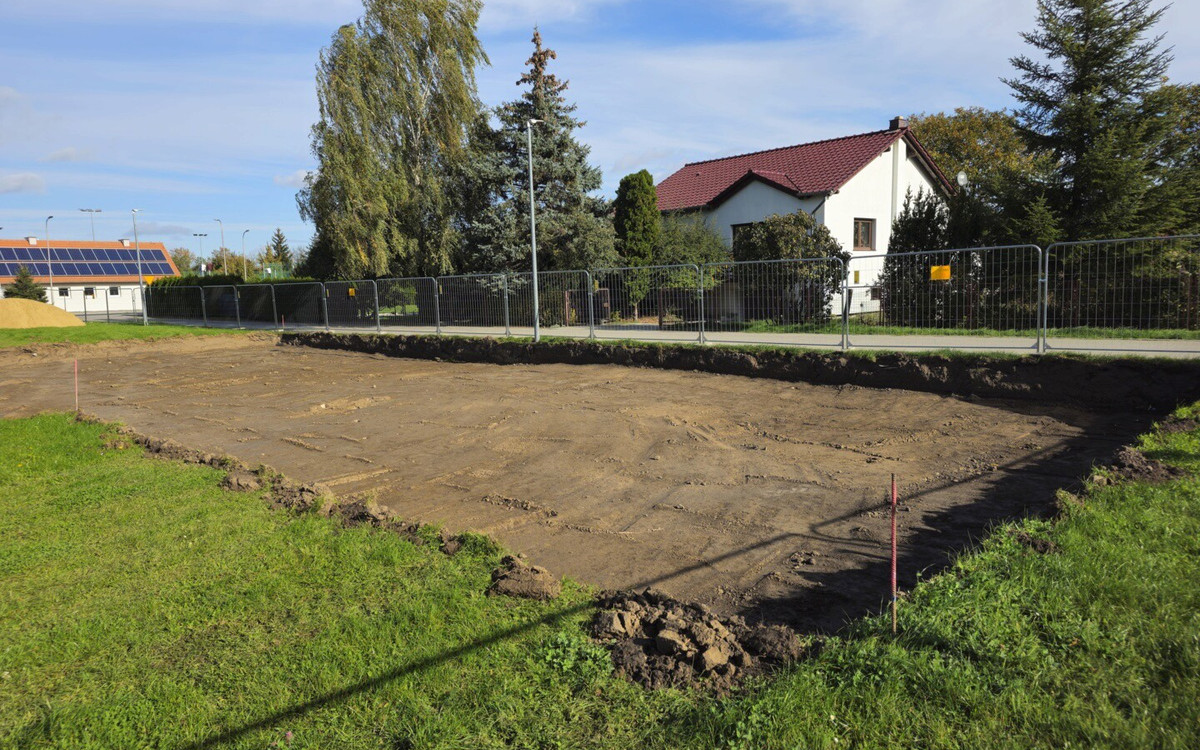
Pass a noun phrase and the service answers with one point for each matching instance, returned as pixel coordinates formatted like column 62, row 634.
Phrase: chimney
column 898, row 123
column 31, row 240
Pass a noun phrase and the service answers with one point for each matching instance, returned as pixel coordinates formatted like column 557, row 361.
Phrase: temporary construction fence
column 1138, row 284
column 993, row 290
column 1019, row 297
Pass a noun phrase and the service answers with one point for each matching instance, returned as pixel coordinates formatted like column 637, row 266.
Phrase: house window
column 89, row 291
column 114, row 291
column 64, row 291
column 741, row 232
column 864, row 234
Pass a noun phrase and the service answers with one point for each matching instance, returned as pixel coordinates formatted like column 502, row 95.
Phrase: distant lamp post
column 201, row 235
column 137, row 248
column 91, row 212
column 224, row 258
column 537, row 329
column 50, row 261
column 244, row 273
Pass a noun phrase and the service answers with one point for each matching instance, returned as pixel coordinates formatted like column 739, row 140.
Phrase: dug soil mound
column 27, row 313
column 1132, row 465
column 660, row 642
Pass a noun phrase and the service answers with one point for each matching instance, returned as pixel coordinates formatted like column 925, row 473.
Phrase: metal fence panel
column 1125, row 287
column 563, row 303
column 474, row 303
column 989, row 291
column 256, row 304
column 662, row 303
column 175, row 304
column 221, row 305
column 774, row 302
column 409, row 303
column 300, row 304
column 352, row 304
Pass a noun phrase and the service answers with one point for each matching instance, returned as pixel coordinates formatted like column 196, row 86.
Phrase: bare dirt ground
column 753, row 496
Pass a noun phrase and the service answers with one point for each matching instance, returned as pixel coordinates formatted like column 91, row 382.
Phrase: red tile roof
column 808, row 169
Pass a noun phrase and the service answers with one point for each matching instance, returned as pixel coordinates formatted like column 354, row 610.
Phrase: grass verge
column 95, row 332
column 142, row 606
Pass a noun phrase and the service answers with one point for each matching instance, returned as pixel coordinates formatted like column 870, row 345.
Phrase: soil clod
column 515, row 578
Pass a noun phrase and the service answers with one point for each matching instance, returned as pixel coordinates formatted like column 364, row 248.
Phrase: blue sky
column 197, row 110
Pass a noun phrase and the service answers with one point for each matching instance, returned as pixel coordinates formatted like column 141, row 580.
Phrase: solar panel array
column 72, row 261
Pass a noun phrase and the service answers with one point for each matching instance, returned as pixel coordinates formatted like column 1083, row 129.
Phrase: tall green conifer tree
column 1090, row 101
column 573, row 230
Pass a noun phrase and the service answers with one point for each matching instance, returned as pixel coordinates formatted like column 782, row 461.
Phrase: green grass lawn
column 142, row 606
column 94, row 332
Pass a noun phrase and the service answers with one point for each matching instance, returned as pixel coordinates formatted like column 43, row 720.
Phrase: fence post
column 85, row 305
column 507, row 328
column 203, row 308
column 107, row 312
column 845, row 304
column 1043, row 298
column 274, row 307
column 700, row 291
column 375, row 288
column 325, row 304
column 590, row 307
column 437, row 308
column 237, row 307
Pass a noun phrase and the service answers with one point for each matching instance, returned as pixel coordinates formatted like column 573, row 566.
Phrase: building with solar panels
column 88, row 277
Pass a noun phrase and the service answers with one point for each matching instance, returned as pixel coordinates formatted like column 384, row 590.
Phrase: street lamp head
column 963, row 179
column 535, row 121
column 48, row 218
column 135, row 210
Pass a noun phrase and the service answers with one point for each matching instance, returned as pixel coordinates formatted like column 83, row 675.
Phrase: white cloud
column 159, row 229
column 69, row 154
column 22, row 182
column 509, row 14
column 294, row 180
column 291, row 12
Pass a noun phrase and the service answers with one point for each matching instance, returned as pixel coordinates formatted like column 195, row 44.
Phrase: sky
column 193, row 111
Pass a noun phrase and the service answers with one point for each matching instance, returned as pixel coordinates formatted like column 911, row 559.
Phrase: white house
column 854, row 185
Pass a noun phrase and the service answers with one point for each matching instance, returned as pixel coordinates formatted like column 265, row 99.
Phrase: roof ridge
column 785, row 148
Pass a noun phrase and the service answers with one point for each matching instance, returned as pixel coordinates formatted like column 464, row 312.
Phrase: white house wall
column 754, row 202
column 877, row 192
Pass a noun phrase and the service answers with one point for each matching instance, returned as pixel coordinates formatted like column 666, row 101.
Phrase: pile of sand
column 26, row 313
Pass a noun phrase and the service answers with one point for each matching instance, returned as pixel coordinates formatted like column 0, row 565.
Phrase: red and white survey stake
column 893, row 553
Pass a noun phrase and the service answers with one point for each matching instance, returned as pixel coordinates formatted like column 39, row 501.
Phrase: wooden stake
column 894, row 615
column 77, row 386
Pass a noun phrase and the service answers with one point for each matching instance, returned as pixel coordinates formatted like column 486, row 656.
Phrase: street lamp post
column 244, row 274
column 137, row 247
column 50, row 261
column 201, row 235
column 91, row 212
column 537, row 329
column 224, row 258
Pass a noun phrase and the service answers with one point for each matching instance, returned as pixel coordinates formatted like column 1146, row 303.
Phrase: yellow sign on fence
column 939, row 273
column 351, row 292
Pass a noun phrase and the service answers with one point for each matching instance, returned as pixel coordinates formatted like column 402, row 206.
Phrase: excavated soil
column 28, row 313
column 755, row 497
